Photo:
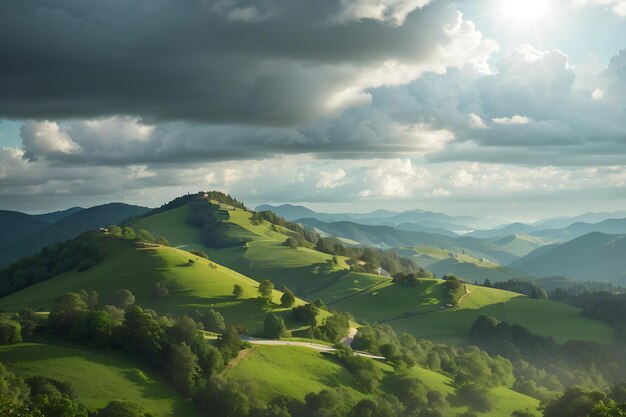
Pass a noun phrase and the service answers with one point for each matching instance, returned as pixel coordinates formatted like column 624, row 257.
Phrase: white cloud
column 439, row 192
column 513, row 120
column 331, row 179
column 476, row 122
column 394, row 11
column 45, row 137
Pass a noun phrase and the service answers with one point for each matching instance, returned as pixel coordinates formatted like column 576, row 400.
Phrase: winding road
column 311, row 345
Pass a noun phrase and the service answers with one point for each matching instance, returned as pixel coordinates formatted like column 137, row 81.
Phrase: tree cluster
column 543, row 367
column 368, row 259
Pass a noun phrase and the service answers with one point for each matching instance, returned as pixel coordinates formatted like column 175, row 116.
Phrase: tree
column 291, row 242
column 70, row 302
column 183, row 368
column 10, row 332
column 539, row 293
column 214, row 321
column 237, row 291
column 306, row 314
column 287, row 300
column 124, row 298
column 128, row 233
column 274, row 326
column 265, row 289
column 336, row 326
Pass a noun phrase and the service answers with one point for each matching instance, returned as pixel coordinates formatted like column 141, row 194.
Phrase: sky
column 511, row 108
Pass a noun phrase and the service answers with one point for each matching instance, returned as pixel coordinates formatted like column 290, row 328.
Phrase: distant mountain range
column 386, row 217
column 502, row 250
column 553, row 229
column 24, row 234
column 594, row 257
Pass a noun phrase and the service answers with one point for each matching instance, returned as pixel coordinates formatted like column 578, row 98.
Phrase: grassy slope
column 283, row 370
column 543, row 317
column 505, row 401
column 97, row 378
column 194, row 287
column 286, row 370
column 303, row 270
column 373, row 297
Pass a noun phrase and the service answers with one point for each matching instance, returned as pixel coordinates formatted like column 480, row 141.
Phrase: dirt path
column 467, row 291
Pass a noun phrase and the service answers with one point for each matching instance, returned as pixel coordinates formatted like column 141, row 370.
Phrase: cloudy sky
column 509, row 108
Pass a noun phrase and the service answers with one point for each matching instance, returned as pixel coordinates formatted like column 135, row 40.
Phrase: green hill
column 543, row 317
column 264, row 256
column 371, row 297
column 97, row 378
column 422, row 312
column 594, row 257
column 270, row 371
column 445, row 262
column 198, row 286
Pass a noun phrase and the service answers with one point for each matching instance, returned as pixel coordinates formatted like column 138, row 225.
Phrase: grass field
column 96, row 378
column 270, row 371
column 196, row 286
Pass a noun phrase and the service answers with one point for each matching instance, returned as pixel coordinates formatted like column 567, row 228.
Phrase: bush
column 10, row 332
column 476, row 396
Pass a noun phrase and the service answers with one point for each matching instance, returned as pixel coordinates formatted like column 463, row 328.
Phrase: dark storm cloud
column 271, row 62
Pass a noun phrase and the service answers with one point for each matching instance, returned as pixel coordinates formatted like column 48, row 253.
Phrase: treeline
column 300, row 234
column 368, row 259
column 213, row 232
column 602, row 305
column 454, row 287
column 80, row 253
column 542, row 367
column 607, row 305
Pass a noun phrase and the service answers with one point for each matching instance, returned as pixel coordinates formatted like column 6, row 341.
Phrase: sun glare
column 524, row 10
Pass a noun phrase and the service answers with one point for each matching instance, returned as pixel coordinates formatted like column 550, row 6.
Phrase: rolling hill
column 422, row 312
column 65, row 225
column 295, row 371
column 595, row 257
column 199, row 286
column 444, row 262
column 366, row 296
